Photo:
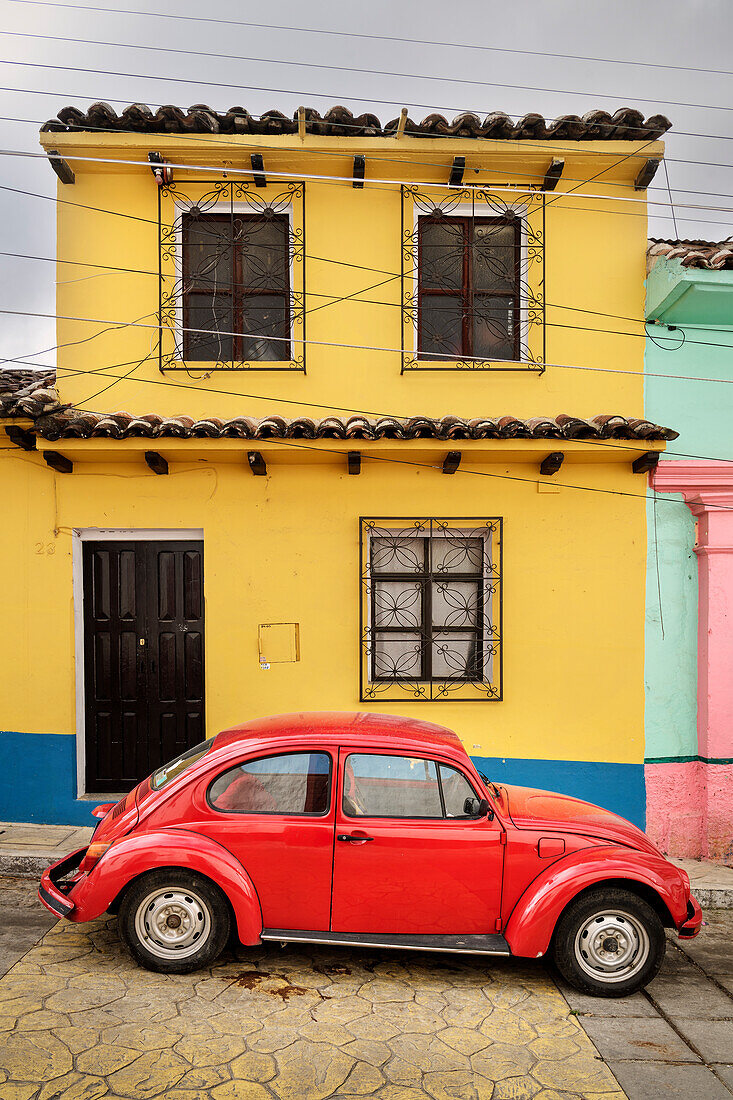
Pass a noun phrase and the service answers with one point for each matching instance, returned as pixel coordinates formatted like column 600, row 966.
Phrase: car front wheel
column 174, row 921
column 609, row 943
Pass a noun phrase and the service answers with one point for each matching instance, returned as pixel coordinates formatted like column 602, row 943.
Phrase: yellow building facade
column 382, row 446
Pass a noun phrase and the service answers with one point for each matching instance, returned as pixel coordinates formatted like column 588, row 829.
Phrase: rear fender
column 134, row 855
column 530, row 927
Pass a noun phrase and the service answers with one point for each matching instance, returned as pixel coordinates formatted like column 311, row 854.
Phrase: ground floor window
column 430, row 608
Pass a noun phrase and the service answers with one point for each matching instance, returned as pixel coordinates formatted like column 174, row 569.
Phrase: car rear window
column 175, row 767
column 294, row 783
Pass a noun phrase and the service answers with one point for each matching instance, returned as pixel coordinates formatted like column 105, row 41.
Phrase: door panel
column 415, row 876
column 143, row 657
column 288, row 856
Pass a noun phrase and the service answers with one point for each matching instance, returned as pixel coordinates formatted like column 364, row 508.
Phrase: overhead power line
column 345, row 345
column 553, row 196
column 254, row 59
column 377, row 37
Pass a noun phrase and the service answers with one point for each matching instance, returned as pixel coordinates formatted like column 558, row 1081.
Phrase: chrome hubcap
column 173, row 923
column 611, row 946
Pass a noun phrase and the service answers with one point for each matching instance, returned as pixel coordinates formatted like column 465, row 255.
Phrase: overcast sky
column 681, row 33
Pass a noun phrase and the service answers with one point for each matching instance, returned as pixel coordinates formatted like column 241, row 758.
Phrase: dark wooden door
column 143, row 657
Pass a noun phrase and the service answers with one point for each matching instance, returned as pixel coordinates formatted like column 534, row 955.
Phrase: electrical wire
column 377, row 37
column 596, row 443
column 456, row 79
column 355, row 296
column 391, row 184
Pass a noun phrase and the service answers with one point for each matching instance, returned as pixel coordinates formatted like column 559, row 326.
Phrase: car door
column 274, row 812
column 407, row 857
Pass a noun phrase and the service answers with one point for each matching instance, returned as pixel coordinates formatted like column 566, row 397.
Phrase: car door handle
column 354, row 838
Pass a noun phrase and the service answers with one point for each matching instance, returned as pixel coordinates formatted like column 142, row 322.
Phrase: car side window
column 456, row 789
column 390, row 786
column 292, row 783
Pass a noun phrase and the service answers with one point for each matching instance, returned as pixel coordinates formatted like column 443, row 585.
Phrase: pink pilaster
column 707, row 488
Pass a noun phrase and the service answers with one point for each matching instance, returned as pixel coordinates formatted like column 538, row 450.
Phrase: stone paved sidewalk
column 82, row 1022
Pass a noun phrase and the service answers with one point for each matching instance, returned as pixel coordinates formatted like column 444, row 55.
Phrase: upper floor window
column 472, row 279
column 469, row 287
column 236, row 287
column 232, row 275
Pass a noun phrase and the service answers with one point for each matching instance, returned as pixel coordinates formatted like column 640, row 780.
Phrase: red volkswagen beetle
column 372, row 831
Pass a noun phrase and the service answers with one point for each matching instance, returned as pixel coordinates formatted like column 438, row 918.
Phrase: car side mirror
column 477, row 807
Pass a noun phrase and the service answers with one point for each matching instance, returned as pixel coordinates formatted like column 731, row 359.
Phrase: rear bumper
column 53, row 890
column 692, row 925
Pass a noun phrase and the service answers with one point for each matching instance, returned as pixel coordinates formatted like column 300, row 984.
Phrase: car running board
column 459, row 945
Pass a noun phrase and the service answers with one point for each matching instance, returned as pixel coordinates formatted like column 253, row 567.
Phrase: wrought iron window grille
column 231, row 275
column 431, row 609
column 472, row 280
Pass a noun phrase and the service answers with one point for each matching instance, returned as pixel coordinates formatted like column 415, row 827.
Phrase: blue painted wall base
column 38, row 780
column 617, row 787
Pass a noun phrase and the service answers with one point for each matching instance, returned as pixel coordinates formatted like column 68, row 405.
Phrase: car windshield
column 175, row 767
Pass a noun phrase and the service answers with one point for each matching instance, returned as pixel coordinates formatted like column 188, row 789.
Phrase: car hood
column 529, row 808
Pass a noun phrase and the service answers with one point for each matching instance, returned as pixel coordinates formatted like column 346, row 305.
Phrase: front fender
column 135, row 854
column 530, row 927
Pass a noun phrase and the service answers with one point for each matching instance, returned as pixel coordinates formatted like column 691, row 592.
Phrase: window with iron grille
column 468, row 287
column 431, row 609
column 236, row 287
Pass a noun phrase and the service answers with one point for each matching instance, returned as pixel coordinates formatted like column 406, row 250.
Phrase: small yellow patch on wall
column 279, row 642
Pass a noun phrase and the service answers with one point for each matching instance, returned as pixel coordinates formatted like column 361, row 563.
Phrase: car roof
column 348, row 728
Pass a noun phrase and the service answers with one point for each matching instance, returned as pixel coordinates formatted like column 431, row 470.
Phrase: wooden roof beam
column 21, row 437
column 553, row 173
column 156, row 462
column 257, row 464
column 451, row 462
column 57, row 462
column 60, row 166
column 258, row 170
column 646, row 174
column 552, row 463
column 456, row 173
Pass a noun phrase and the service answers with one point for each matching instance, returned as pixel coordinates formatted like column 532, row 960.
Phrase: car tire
column 609, row 943
column 174, row 921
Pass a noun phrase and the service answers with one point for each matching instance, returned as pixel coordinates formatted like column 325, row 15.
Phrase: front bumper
column 692, row 925
column 53, row 889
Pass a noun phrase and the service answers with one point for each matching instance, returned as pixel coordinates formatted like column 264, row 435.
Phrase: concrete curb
column 32, row 865
column 21, row 865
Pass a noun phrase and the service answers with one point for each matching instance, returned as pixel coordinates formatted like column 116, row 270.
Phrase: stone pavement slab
column 713, row 1038
column 625, row 1039
column 80, row 1019
column 646, row 1081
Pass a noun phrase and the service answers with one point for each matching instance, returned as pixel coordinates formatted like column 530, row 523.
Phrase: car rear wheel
column 174, row 921
column 609, row 943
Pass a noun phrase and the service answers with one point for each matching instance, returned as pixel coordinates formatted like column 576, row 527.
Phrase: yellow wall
column 594, row 260
column 286, row 548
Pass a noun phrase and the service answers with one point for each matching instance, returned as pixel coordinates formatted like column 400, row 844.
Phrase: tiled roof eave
column 624, row 124
column 73, row 424
column 710, row 255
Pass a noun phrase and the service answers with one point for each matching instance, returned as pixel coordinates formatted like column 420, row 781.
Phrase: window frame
column 237, row 292
column 466, row 294
column 276, row 813
column 426, row 578
column 404, row 817
column 487, row 686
